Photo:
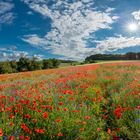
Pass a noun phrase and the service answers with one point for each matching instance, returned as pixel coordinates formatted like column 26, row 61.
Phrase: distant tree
column 138, row 56
column 89, row 61
column 127, row 56
column 47, row 64
column 131, row 56
column 24, row 64
column 5, row 67
column 14, row 66
column 35, row 64
column 55, row 63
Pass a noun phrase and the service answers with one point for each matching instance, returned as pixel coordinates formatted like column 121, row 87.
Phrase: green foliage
column 127, row 56
column 47, row 64
column 50, row 63
column 5, row 67
column 26, row 64
column 14, row 66
column 35, row 65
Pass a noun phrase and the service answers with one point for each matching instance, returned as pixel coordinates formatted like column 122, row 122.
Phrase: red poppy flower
column 40, row 131
column 1, row 133
column 58, row 120
column 11, row 138
column 87, row 117
column 27, row 116
column 60, row 134
column 45, row 115
column 60, row 103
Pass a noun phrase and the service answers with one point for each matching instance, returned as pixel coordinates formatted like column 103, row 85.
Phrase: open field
column 88, row 102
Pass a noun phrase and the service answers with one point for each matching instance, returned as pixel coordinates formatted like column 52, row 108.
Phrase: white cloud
column 30, row 13
column 109, row 9
column 34, row 40
column 38, row 56
column 70, row 26
column 136, row 15
column 6, row 16
column 12, row 53
column 115, row 43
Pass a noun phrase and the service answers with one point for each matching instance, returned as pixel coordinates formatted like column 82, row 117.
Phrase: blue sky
column 68, row 29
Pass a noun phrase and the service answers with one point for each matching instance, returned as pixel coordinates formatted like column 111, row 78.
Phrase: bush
column 5, row 67
column 26, row 64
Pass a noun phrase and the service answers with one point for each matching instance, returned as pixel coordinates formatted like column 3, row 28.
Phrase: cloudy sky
column 68, row 29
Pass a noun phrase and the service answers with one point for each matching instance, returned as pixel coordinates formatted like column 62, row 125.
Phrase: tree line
column 127, row 56
column 26, row 64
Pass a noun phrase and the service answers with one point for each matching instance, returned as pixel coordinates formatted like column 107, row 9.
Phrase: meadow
column 88, row 102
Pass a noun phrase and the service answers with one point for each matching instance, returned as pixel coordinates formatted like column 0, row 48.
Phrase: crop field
column 89, row 102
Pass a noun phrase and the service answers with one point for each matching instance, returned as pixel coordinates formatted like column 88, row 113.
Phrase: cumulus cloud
column 72, row 23
column 12, row 53
column 35, row 40
column 6, row 16
column 114, row 43
column 38, row 56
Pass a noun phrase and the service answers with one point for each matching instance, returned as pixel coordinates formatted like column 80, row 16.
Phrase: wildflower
column 11, row 138
column 34, row 120
column 82, row 129
column 60, row 103
column 58, row 120
column 11, row 98
column 60, row 97
column 25, row 128
column 84, row 122
column 118, row 112
column 116, row 138
column 27, row 138
column 1, row 133
column 60, row 134
column 40, row 131
column 65, row 109
column 118, row 129
column 105, row 117
column 49, row 107
column 58, row 108
column 21, row 137
column 138, row 108
column 11, row 124
column 94, row 99
column 39, row 110
column 45, row 115
column 27, row 116
column 87, row 117
column 98, row 129
column 109, row 131
column 76, row 111
column 16, row 111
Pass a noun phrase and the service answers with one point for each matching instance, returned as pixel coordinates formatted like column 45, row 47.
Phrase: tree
column 131, row 56
column 55, row 63
column 35, row 64
column 5, row 67
column 47, row 64
column 14, row 66
column 24, row 64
